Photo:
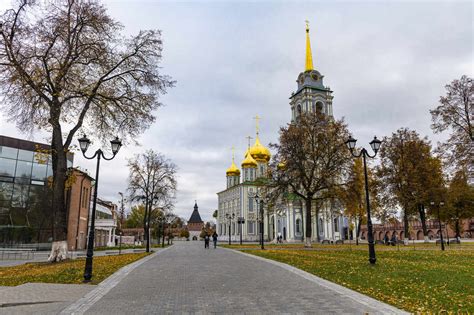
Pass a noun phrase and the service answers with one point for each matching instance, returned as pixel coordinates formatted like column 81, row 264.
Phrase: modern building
column 195, row 224
column 237, row 209
column 26, row 219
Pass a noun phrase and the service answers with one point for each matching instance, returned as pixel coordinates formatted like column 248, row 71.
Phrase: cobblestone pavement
column 190, row 279
column 40, row 298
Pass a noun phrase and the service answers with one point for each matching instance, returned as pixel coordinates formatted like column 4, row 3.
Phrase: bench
column 339, row 242
column 325, row 242
column 139, row 250
column 454, row 241
column 379, row 242
column 439, row 242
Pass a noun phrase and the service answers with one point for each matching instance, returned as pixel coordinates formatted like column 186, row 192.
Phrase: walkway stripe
column 84, row 303
column 356, row 296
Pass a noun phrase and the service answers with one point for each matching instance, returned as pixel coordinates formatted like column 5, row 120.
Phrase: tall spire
column 309, row 56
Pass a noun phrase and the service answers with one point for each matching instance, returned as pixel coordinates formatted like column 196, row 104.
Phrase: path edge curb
column 384, row 308
column 87, row 301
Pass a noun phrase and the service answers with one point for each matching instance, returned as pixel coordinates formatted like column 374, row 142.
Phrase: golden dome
column 281, row 165
column 259, row 152
column 249, row 161
column 233, row 170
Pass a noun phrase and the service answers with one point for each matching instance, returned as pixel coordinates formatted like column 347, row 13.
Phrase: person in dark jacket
column 206, row 241
column 214, row 238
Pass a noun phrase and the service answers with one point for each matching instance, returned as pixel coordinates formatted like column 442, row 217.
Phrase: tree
column 460, row 204
column 66, row 67
column 410, row 174
column 152, row 181
column 314, row 155
column 456, row 113
column 352, row 195
column 184, row 233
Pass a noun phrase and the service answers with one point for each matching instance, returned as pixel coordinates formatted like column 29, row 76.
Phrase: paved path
column 186, row 278
column 40, row 298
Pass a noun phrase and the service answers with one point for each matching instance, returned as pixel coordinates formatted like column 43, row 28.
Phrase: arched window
column 298, row 110
column 321, row 226
column 298, row 226
column 320, row 107
column 336, row 225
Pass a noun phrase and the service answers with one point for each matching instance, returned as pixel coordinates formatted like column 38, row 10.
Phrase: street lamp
column 84, row 143
column 260, row 210
column 230, row 217
column 439, row 222
column 121, row 222
column 240, row 221
column 375, row 145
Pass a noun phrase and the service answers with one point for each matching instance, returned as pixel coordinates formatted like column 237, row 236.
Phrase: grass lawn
column 413, row 280
column 69, row 271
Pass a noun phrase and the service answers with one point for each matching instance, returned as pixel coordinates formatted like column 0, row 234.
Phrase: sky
column 386, row 61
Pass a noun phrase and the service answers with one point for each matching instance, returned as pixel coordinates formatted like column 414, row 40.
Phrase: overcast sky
column 387, row 63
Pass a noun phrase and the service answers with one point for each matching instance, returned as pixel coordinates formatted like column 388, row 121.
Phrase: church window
column 298, row 226
column 250, row 204
column 321, row 226
column 233, row 228
column 298, row 110
column 251, row 227
column 320, row 107
column 336, row 225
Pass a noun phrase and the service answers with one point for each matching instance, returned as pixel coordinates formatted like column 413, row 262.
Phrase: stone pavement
column 186, row 278
column 40, row 298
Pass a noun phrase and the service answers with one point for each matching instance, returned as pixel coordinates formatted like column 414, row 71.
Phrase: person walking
column 214, row 238
column 206, row 241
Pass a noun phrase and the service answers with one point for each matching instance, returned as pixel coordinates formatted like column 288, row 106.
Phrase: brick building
column 195, row 224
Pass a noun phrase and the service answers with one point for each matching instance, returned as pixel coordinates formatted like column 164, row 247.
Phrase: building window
column 250, row 204
column 251, row 227
column 320, row 107
column 321, row 226
column 298, row 226
column 336, row 225
column 298, row 110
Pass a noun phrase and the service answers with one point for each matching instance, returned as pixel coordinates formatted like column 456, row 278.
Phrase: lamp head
column 116, row 144
column 432, row 203
column 375, row 144
column 351, row 143
column 441, row 203
column 84, row 143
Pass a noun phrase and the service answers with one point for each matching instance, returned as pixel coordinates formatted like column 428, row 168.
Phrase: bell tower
column 311, row 95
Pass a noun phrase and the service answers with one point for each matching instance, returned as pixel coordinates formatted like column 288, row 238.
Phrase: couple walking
column 207, row 239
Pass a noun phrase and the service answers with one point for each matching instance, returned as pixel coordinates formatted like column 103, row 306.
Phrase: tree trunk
column 308, row 223
column 421, row 209
column 359, row 225
column 317, row 224
column 145, row 226
column 405, row 228
column 457, row 227
column 59, row 164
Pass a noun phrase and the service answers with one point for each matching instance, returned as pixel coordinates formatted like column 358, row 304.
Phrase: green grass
column 69, row 271
column 414, row 280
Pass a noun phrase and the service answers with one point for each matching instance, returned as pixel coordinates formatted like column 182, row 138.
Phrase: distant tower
column 311, row 95
column 195, row 224
column 249, row 166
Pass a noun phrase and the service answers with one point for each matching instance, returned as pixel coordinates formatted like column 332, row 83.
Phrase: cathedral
column 238, row 213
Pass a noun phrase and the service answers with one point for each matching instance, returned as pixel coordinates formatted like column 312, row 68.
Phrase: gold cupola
column 259, row 152
column 249, row 161
column 233, row 170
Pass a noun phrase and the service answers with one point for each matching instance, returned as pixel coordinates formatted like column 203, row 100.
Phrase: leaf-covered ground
column 418, row 281
column 70, row 271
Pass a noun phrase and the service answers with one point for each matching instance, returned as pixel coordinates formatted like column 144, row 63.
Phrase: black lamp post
column 260, row 210
column 375, row 144
column 230, row 217
column 240, row 221
column 439, row 222
column 84, row 143
column 121, row 222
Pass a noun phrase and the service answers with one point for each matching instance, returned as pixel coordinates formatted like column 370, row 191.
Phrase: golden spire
column 309, row 56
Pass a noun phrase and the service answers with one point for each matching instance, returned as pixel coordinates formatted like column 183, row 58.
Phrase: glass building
column 25, row 197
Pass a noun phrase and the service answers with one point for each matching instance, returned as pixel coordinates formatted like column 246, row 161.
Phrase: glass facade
column 25, row 198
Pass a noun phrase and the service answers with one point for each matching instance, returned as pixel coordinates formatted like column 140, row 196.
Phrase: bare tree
column 152, row 181
column 312, row 156
column 65, row 67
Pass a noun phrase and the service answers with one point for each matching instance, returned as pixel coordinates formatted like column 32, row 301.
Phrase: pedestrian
column 214, row 238
column 386, row 240
column 206, row 241
column 394, row 239
column 279, row 237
